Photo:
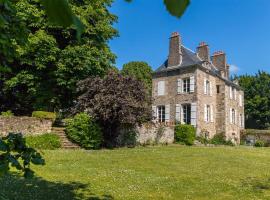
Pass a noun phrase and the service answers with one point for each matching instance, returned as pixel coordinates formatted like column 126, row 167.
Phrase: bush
column 219, row 139
column 47, row 141
column 259, row 143
column 44, row 115
column 83, row 130
column 184, row 134
column 8, row 113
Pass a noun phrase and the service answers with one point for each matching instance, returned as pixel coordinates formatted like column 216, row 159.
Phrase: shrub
column 259, row 143
column 184, row 134
column 8, row 113
column 46, row 141
column 219, row 139
column 83, row 130
column 44, row 115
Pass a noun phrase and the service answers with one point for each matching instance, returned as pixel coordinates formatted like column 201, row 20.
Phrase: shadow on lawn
column 258, row 185
column 15, row 187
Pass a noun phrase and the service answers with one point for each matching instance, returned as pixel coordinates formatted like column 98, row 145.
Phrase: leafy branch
column 15, row 153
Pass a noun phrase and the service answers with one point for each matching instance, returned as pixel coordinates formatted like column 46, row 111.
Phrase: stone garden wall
column 24, row 125
column 155, row 133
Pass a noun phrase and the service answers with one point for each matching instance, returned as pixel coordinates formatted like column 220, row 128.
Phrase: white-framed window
column 161, row 88
column 186, row 85
column 241, row 120
column 207, row 87
column 161, row 113
column 233, row 116
column 186, row 113
column 208, row 113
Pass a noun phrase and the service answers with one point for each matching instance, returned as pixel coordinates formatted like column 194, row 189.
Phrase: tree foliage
column 115, row 101
column 257, row 99
column 14, row 152
column 139, row 70
column 44, row 71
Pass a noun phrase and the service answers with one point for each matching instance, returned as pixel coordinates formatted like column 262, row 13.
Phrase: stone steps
column 65, row 142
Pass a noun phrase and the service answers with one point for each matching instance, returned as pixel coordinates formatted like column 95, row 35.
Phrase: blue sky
column 241, row 28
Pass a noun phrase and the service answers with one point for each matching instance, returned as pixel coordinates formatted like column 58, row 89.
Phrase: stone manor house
column 194, row 88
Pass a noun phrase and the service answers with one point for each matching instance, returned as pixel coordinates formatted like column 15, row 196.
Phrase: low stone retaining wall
column 24, row 125
column 155, row 133
column 250, row 136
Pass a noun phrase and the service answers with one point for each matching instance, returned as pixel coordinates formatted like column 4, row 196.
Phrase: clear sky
column 241, row 28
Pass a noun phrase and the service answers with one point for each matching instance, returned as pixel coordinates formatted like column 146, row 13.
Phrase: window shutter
column 179, row 86
column 231, row 116
column 181, row 114
column 211, row 89
column 154, row 112
column 205, row 113
column 194, row 114
column 212, row 113
column 161, row 88
column 178, row 113
column 192, row 83
column 240, row 120
column 235, row 117
column 240, row 100
column 205, row 87
column 231, row 92
column 167, row 113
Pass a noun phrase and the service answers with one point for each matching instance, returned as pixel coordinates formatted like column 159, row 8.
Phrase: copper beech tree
column 115, row 101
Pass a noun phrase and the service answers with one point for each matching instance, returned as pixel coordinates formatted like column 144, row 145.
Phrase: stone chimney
column 203, row 51
column 219, row 60
column 175, row 54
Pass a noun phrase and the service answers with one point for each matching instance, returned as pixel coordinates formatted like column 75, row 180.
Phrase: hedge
column 44, row 115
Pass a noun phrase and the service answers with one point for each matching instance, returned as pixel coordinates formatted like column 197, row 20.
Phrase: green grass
column 48, row 141
column 172, row 172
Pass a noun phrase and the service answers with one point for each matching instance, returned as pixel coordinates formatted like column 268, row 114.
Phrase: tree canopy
column 42, row 73
column 257, row 99
column 114, row 101
column 139, row 70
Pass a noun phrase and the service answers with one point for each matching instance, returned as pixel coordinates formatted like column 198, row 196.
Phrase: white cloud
column 234, row 69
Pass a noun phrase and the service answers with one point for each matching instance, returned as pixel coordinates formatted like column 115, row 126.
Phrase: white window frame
column 233, row 117
column 161, row 112
column 186, row 85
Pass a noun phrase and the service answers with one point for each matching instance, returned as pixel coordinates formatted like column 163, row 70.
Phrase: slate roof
column 189, row 58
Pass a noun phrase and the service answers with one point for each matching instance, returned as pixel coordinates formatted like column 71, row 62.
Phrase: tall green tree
column 139, row 70
column 257, row 99
column 44, row 74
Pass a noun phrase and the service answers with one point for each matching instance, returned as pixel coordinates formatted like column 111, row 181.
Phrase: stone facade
column 198, row 92
column 24, row 125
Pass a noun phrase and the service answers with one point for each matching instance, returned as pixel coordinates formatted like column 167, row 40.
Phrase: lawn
column 160, row 172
